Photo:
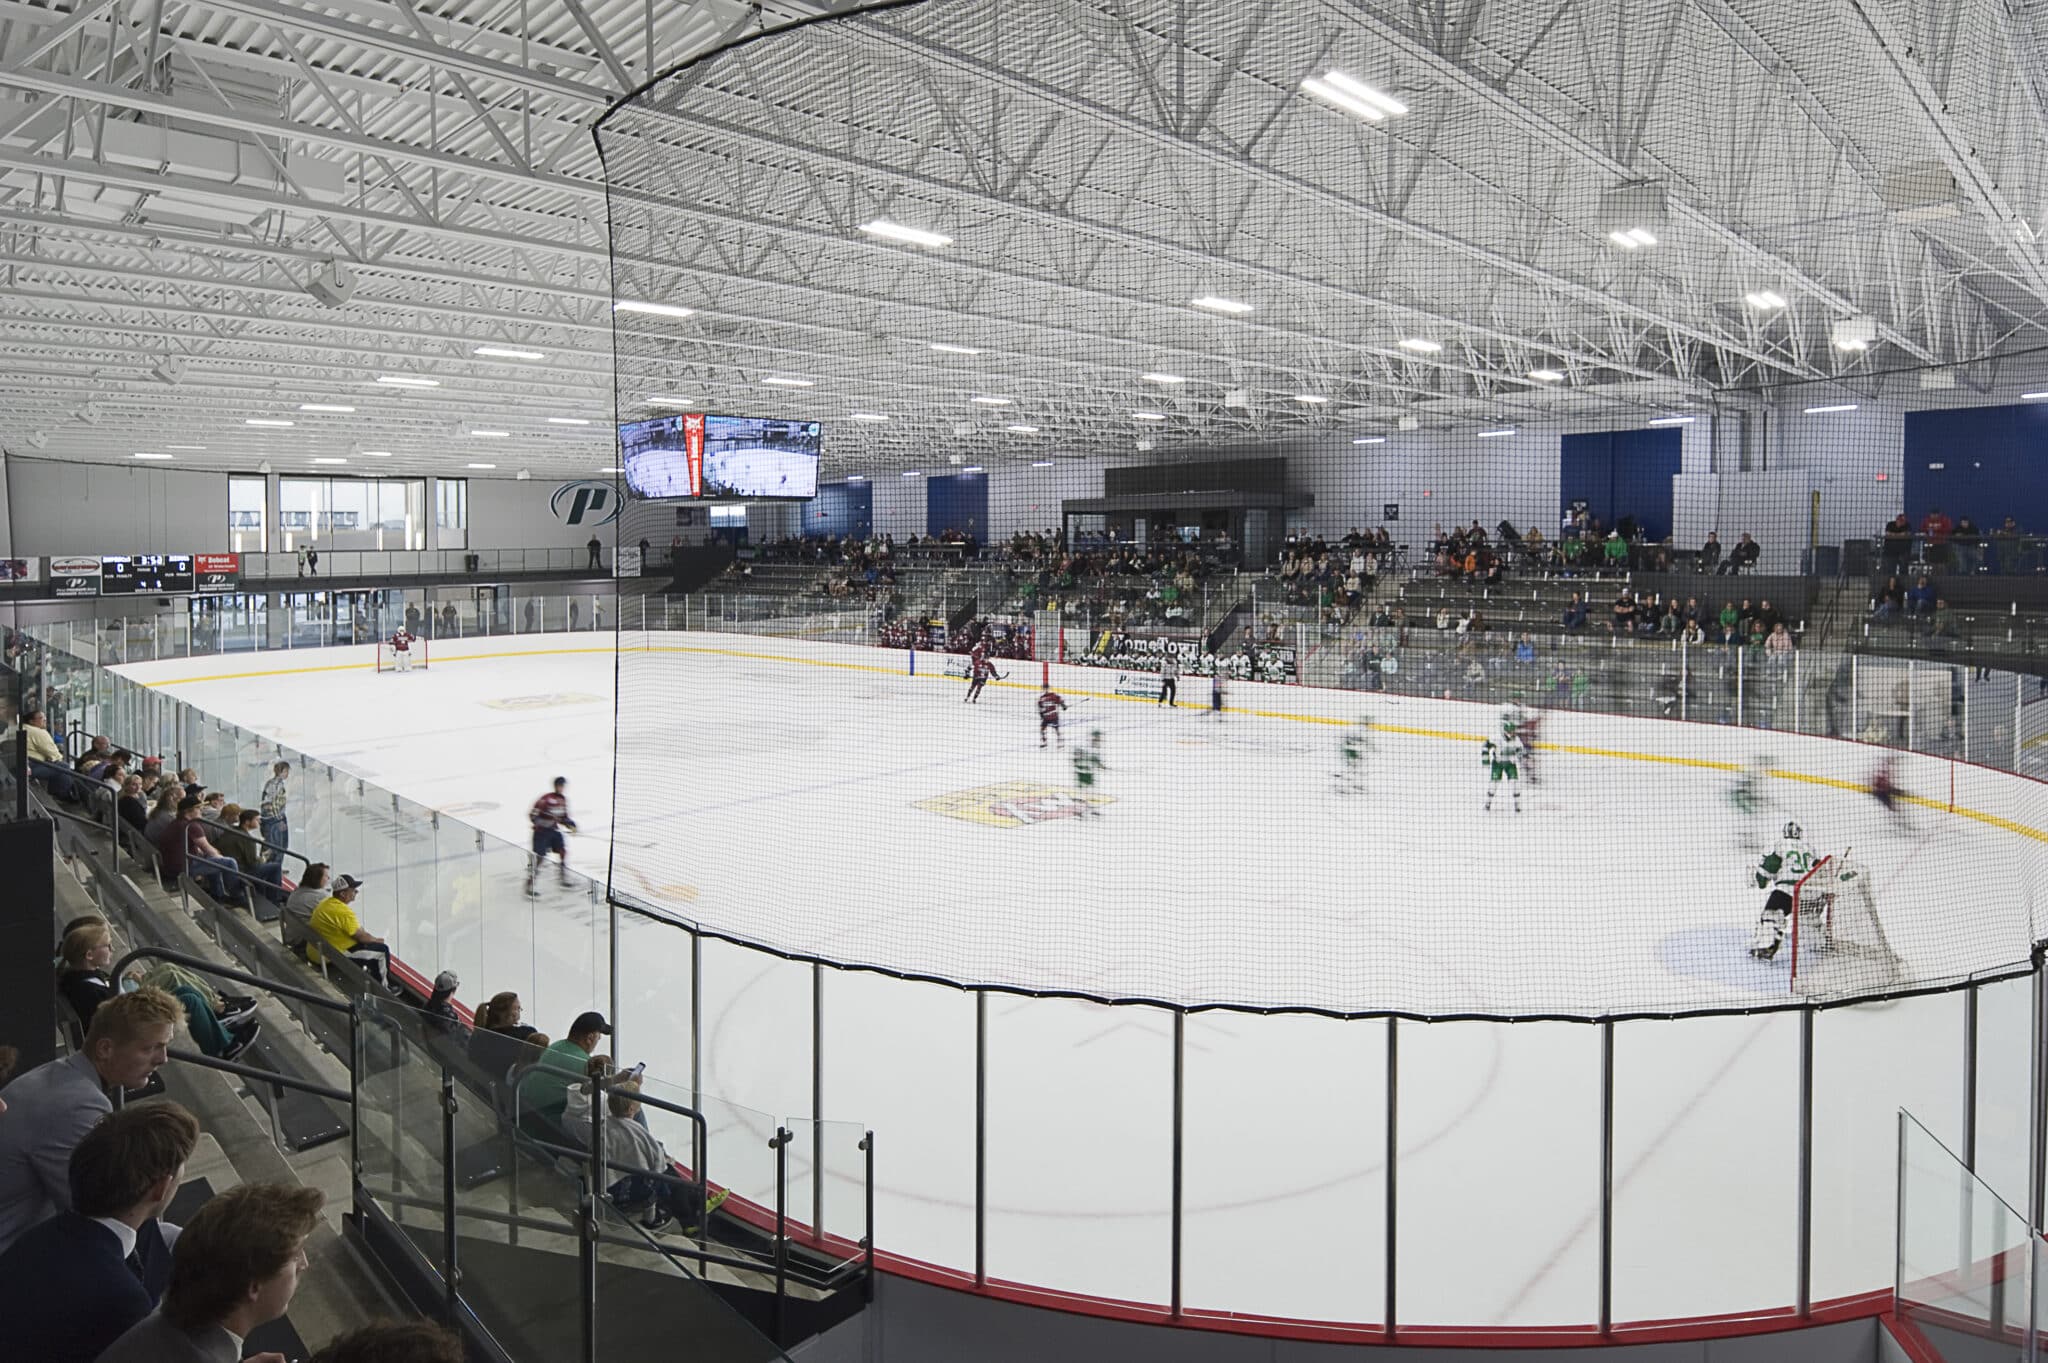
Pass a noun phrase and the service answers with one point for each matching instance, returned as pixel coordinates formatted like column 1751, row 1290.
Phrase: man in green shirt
column 544, row 1091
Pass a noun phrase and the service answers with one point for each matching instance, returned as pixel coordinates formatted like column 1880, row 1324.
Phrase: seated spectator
column 1525, row 650
column 72, row 1284
column 236, row 1267
column 129, row 804
column 545, row 1091
column 501, row 1013
column 1574, row 615
column 1614, row 552
column 336, row 924
column 1622, row 614
column 241, row 840
column 1920, row 598
column 1743, row 556
column 82, row 979
column 43, row 749
column 1730, row 620
column 165, row 812
column 1779, row 639
column 51, row 1107
column 413, row 1341
column 222, row 1027
column 440, row 1005
column 1969, row 544
column 1937, row 527
column 1897, row 542
column 1767, row 615
column 184, row 847
column 1889, row 601
column 1941, row 623
column 634, row 1151
column 1692, row 636
column 296, row 922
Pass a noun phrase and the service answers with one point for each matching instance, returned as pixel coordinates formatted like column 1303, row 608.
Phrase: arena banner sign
column 217, row 572
column 74, row 577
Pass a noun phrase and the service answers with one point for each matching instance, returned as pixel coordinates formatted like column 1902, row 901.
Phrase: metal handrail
column 200, row 966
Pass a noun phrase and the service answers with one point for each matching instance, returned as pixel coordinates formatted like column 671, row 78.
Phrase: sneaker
column 657, row 1219
column 236, row 1011
column 238, row 1000
column 243, row 1040
column 531, row 893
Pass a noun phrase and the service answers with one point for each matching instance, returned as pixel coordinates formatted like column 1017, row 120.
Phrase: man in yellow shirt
column 335, row 923
column 42, row 748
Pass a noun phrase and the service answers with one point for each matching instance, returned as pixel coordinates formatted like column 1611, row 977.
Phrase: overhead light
column 913, row 473
column 1022, row 430
column 568, row 421
column 972, row 468
column 1764, row 300
column 1354, row 96
column 678, row 404
column 265, row 421
column 1211, row 303
column 490, row 435
column 407, row 381
column 870, row 416
column 991, row 402
column 324, row 407
column 652, row 309
column 1833, row 407
column 1853, row 333
column 499, row 352
column 1546, row 376
column 184, row 447
column 1162, row 378
column 482, row 466
column 782, row 381
column 1148, row 416
column 150, row 454
column 1041, row 463
column 611, row 470
column 1310, row 399
column 896, row 231
column 1852, row 346
column 1671, row 421
column 856, row 477
column 330, row 460
column 2030, row 397
column 1632, row 238
column 946, row 348
column 377, row 454
column 1421, row 344
column 1370, row 440
column 1489, row 435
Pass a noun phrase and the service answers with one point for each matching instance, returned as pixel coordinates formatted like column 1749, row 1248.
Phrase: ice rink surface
column 827, row 802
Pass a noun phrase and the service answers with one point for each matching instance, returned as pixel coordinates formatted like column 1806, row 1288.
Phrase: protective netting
column 1449, row 494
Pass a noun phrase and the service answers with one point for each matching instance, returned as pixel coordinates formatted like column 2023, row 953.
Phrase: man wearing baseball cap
column 545, row 1089
column 335, row 923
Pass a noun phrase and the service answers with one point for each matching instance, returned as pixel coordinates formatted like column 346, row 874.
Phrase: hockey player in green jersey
column 1353, row 747
column 1502, row 758
column 1780, row 872
column 1088, row 764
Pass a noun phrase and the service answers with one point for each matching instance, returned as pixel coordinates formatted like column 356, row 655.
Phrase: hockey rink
column 821, row 799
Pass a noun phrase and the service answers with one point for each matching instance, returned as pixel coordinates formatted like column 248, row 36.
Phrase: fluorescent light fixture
column 677, row 404
column 1041, row 463
column 1310, row 399
column 266, row 421
column 652, row 309
column 150, row 454
column 184, row 447
column 1354, row 96
column 1421, row 344
column 1765, row 300
column 1632, row 238
column 1022, row 430
column 1489, row 435
column 611, row 470
column 490, row 435
column 1162, row 378
column 1671, row 421
column 991, row 402
column 499, row 352
column 947, row 348
column 1835, row 407
column 1148, row 416
column 2030, row 397
column 1370, row 440
column 407, row 381
column 972, row 468
column 482, row 466
column 330, row 459
column 1852, row 345
column 324, row 407
column 377, row 454
column 1210, row 302
column 782, row 381
column 913, row 473
column 896, row 231
column 1546, row 375
column 568, row 421
column 870, row 416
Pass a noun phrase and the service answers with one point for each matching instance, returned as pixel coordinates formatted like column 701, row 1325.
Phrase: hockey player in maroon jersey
column 980, row 669
column 1050, row 704
column 549, row 816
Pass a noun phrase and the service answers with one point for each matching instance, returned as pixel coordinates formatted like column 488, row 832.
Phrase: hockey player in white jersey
column 1521, row 726
column 1354, row 746
column 1779, row 872
column 1502, row 759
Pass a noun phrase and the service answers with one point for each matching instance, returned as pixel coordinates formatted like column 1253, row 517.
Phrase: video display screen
column 693, row 455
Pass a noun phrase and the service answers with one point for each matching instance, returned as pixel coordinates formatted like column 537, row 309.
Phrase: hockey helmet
column 1793, row 831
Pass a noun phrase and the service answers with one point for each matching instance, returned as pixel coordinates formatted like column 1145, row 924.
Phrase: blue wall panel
column 1994, row 464
column 841, row 509
column 1622, row 473
column 957, row 501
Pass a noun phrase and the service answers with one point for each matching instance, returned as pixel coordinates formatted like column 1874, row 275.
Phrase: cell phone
column 638, row 1069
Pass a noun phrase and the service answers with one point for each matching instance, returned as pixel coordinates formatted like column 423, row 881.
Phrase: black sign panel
column 133, row 574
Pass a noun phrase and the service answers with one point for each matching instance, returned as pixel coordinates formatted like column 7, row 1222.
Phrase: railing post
column 1803, row 1248
column 451, row 1273
column 1393, row 1180
column 981, row 1138
column 867, row 1240
column 1180, row 1051
column 817, row 1099
column 780, row 1144
column 1606, row 1177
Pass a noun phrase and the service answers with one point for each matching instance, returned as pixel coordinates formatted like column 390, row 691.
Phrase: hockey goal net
column 388, row 658
column 1839, row 945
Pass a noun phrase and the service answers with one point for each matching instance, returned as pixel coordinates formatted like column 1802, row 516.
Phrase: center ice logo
column 1012, row 804
column 585, row 499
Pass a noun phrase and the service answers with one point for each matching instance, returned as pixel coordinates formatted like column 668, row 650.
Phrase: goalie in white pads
column 401, row 649
column 1779, row 871
column 1502, row 759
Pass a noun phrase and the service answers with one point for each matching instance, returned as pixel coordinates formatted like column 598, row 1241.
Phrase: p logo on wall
column 587, row 502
